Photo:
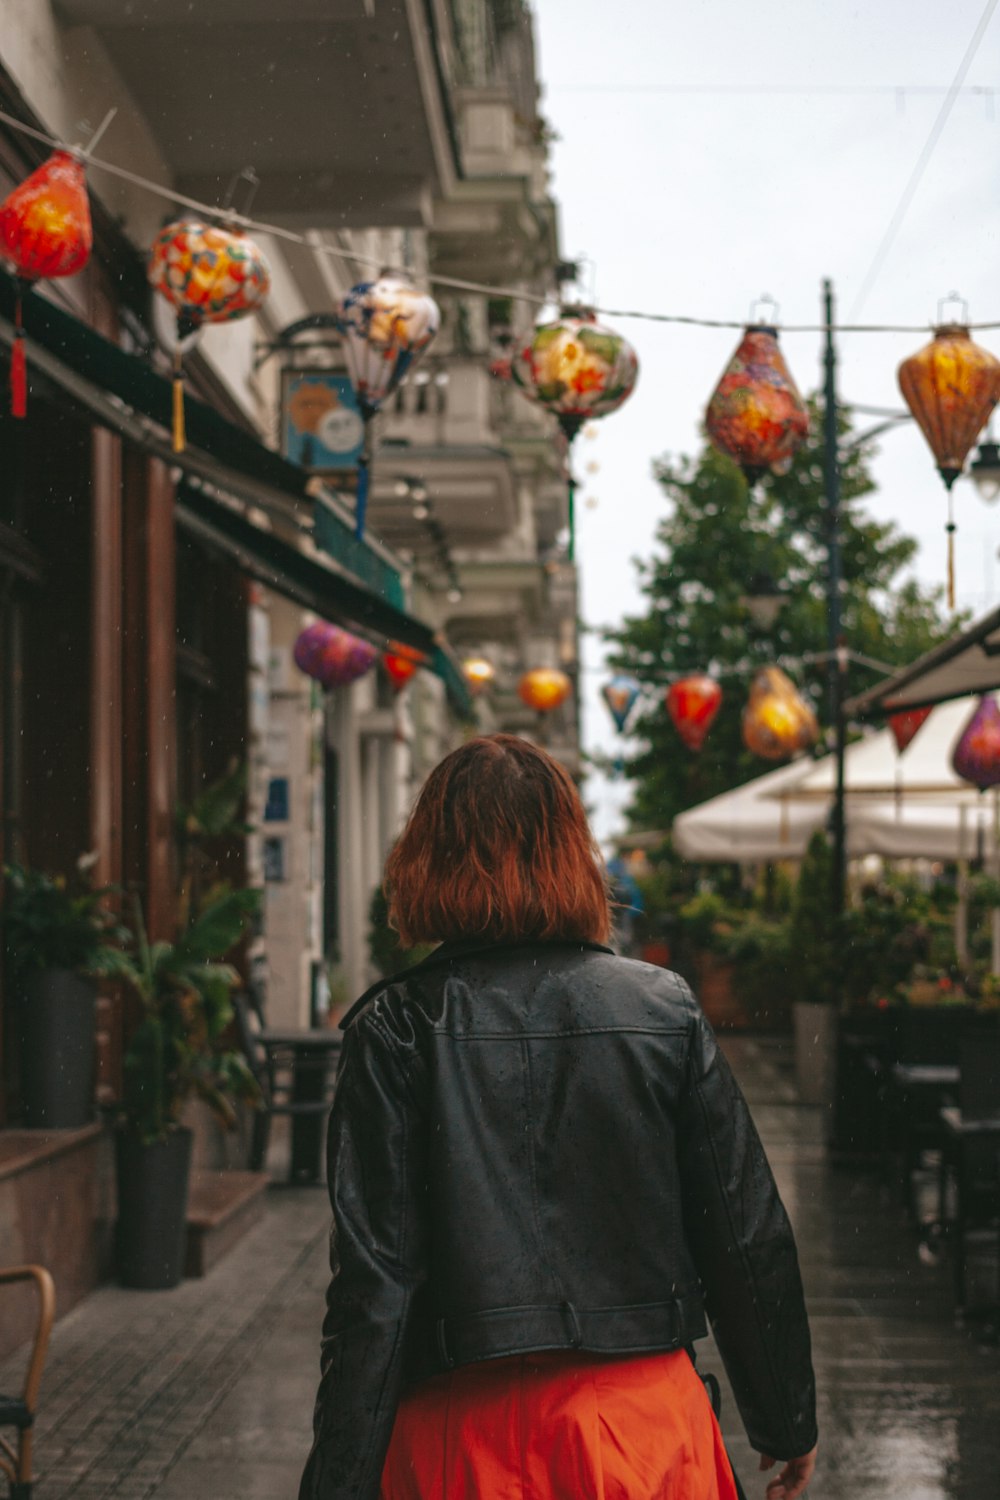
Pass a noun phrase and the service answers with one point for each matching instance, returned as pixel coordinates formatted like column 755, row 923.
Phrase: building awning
column 352, row 583
column 968, row 663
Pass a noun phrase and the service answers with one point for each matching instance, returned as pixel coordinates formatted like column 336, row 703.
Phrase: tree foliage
column 717, row 535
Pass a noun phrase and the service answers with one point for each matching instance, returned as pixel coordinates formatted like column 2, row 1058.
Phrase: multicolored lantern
column 756, row 414
column 692, row 703
column 386, row 325
column 46, row 232
column 479, row 674
column 777, row 721
column 620, row 695
column 544, row 689
column 976, row 756
column 401, row 664
column 907, row 724
column 209, row 274
column 950, row 386
column 577, row 369
column 331, row 655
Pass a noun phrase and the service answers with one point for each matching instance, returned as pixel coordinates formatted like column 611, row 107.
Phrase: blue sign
column 322, row 427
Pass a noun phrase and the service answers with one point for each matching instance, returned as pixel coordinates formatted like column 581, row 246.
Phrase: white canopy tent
column 907, row 806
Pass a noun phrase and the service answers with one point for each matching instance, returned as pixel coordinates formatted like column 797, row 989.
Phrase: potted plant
column 57, row 933
column 179, row 1049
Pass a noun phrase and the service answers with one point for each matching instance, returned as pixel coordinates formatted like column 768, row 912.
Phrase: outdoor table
column 915, row 1096
column 958, row 1133
column 312, row 1053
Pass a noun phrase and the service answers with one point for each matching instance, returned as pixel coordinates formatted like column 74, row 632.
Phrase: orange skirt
column 558, row 1426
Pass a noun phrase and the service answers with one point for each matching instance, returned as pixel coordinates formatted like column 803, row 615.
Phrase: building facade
column 151, row 600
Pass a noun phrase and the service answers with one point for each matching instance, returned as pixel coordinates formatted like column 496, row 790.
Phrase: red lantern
column 756, row 414
column 976, row 757
column 45, row 230
column 400, row 665
column 692, row 703
column 906, row 725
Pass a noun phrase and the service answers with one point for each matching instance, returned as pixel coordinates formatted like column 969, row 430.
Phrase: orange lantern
column 400, row 665
column 209, row 274
column 45, row 230
column 756, row 414
column 479, row 674
column 544, row 689
column 777, row 721
column 692, row 703
column 950, row 386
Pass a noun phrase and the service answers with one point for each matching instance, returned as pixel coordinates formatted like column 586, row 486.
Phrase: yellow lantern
column 479, row 674
column 777, row 721
column 544, row 689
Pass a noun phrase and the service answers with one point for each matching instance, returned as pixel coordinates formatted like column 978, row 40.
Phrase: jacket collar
column 463, row 948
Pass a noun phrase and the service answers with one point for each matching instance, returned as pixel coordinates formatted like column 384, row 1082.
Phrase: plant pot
column 815, row 1028
column 153, row 1186
column 56, row 1026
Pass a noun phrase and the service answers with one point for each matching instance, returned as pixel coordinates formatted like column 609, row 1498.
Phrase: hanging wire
column 310, row 242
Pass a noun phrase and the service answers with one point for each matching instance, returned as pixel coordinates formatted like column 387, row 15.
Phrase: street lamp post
column 836, row 652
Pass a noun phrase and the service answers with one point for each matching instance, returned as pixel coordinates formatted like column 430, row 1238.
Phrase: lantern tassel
column 179, row 436
column 18, row 367
column 950, row 528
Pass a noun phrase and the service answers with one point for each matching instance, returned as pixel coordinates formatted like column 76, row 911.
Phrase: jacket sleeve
column 377, row 1259
column 744, row 1252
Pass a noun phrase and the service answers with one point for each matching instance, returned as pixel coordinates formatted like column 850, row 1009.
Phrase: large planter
column 153, row 1183
column 56, row 1029
column 815, row 1030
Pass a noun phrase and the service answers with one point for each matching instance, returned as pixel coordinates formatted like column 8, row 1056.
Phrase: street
column 207, row 1391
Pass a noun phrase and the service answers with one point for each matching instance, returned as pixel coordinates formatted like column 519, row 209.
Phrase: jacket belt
column 614, row 1330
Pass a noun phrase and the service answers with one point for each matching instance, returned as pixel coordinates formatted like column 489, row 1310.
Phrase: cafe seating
column 17, row 1413
column 295, row 1072
column 969, row 1183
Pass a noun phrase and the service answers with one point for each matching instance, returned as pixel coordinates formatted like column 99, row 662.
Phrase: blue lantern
column 620, row 695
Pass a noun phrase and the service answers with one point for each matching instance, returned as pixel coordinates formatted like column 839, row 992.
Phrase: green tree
column 717, row 535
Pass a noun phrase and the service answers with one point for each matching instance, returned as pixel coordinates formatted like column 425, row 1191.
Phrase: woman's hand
column 793, row 1478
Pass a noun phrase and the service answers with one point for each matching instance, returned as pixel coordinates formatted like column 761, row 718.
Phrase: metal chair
column 18, row 1412
column 296, row 1078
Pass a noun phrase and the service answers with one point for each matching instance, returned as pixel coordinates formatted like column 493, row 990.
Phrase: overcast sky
column 699, row 202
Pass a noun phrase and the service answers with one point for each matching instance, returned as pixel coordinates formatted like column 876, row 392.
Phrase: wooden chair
column 18, row 1412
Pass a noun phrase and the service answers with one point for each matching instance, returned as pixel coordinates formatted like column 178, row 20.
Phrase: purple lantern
column 332, row 656
column 976, row 756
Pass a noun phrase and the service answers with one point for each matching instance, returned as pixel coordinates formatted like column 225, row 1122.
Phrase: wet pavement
column 205, row 1393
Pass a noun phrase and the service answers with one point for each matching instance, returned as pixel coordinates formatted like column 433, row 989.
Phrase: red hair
column 497, row 846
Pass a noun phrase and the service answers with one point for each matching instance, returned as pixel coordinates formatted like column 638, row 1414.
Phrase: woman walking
column 543, row 1176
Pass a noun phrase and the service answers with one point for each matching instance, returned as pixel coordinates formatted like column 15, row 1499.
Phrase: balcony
column 353, row 129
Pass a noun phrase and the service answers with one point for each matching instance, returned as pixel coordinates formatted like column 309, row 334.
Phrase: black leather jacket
column 542, row 1147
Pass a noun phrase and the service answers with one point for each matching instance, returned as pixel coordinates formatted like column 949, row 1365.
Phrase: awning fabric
column 360, row 589
column 968, row 663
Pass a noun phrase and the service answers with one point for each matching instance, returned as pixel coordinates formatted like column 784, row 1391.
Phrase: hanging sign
column 321, row 424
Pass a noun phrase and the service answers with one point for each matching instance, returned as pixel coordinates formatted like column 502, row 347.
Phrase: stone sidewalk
column 205, row 1393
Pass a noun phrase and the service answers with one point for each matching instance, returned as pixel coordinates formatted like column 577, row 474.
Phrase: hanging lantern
column 479, row 674
column 208, row 274
column 692, row 703
column 950, row 386
column 620, row 695
column 577, row 369
column 400, row 665
column 906, row 725
column 544, row 689
column 777, row 721
column 45, row 231
column 331, row 655
column 976, row 756
column 386, row 325
column 756, row 415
